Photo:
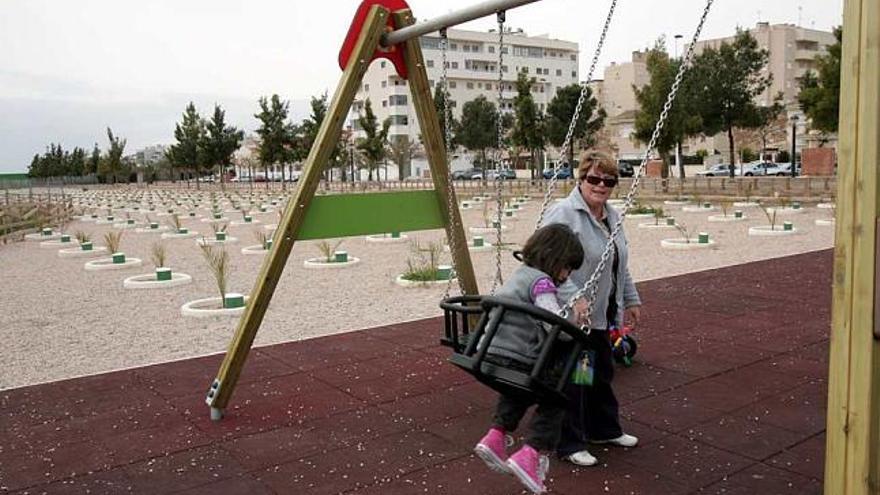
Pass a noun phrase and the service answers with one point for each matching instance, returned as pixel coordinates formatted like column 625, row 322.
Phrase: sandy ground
column 60, row 321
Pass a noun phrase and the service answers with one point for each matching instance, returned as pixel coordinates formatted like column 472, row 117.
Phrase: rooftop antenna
column 800, row 13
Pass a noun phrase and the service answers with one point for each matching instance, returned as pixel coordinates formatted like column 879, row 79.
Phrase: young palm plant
column 658, row 215
column 263, row 238
column 771, row 217
column 218, row 261
column 175, row 223
column 82, row 237
column 159, row 254
column 424, row 268
column 685, row 234
column 113, row 239
column 725, row 205
column 328, row 251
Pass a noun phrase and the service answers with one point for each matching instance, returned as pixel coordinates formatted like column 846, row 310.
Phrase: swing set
column 387, row 29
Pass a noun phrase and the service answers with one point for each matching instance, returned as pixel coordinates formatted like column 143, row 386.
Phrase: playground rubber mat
column 727, row 395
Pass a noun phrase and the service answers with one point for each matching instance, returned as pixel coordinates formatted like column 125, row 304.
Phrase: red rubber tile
column 806, row 458
column 240, row 485
column 763, row 480
column 183, row 470
column 745, row 436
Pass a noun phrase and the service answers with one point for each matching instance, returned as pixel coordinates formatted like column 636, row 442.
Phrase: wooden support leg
column 852, row 463
column 294, row 214
column 435, row 148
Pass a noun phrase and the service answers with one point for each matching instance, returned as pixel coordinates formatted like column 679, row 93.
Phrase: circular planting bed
column 423, row 283
column 787, row 210
column 214, row 306
column 158, row 229
column 81, row 252
column 825, row 222
column 337, row 262
column 477, row 245
column 639, row 216
column 254, row 250
column 683, row 244
column 387, row 238
column 252, row 221
column 216, row 241
column 180, row 235
column 44, row 235
column 163, row 278
column 117, row 262
column 484, row 230
column 745, row 204
column 658, row 226
column 212, row 219
column 727, row 218
column 673, row 202
column 825, row 206
column 769, row 230
column 697, row 209
column 63, row 242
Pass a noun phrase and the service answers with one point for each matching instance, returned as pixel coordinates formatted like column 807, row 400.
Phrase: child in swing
column 548, row 257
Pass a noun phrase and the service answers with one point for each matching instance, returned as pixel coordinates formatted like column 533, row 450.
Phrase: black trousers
column 593, row 412
column 546, row 423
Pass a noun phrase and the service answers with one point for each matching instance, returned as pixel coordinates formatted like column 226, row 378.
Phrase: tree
column 220, row 142
column 444, row 117
column 76, row 162
column 308, row 131
column 528, row 126
column 94, row 160
column 681, row 121
column 560, row 112
column 731, row 79
column 401, row 151
column 276, row 134
column 372, row 145
column 478, row 129
column 114, row 155
column 189, row 135
column 820, row 95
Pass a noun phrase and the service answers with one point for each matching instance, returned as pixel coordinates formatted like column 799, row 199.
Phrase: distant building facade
column 472, row 58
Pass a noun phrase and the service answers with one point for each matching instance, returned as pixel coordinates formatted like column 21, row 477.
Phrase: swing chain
column 563, row 151
column 450, row 191
column 499, row 128
column 592, row 284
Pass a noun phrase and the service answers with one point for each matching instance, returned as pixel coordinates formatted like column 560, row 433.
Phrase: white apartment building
column 472, row 58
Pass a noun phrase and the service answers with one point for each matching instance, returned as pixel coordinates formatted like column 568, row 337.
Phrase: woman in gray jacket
column 593, row 412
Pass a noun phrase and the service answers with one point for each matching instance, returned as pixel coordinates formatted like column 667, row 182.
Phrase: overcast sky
column 71, row 68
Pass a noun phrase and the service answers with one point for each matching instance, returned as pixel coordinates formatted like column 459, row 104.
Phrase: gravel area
column 61, row 321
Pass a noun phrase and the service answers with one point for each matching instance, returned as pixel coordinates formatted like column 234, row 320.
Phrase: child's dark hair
column 551, row 249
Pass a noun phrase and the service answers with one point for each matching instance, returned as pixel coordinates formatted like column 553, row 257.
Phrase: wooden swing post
column 852, row 463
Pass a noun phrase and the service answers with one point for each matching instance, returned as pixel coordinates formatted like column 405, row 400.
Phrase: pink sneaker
column 530, row 468
column 491, row 449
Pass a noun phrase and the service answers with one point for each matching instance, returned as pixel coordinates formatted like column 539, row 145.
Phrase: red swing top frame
column 392, row 53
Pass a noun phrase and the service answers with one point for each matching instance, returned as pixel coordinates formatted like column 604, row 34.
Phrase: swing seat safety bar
column 541, row 382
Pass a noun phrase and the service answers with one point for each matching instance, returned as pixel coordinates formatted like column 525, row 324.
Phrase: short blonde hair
column 599, row 159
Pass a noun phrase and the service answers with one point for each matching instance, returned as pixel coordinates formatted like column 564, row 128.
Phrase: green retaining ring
column 335, row 216
column 154, row 225
column 220, row 236
column 86, row 246
column 703, row 238
column 232, row 301
column 796, row 205
column 340, row 257
column 183, row 230
column 268, row 244
column 163, row 274
column 218, row 216
column 65, row 238
column 478, row 241
column 129, row 221
column 787, row 226
column 118, row 258
column 192, row 213
column 444, row 272
column 47, row 231
column 110, row 218
column 738, row 214
column 248, row 219
column 670, row 221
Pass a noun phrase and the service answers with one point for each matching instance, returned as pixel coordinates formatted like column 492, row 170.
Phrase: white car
column 719, row 170
column 759, row 168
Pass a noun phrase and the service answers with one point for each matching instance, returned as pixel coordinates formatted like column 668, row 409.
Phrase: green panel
column 345, row 215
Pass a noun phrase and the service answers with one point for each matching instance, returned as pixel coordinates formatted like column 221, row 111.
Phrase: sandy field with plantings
column 60, row 320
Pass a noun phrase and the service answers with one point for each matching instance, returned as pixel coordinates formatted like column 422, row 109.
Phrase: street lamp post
column 794, row 121
column 351, row 153
column 677, row 37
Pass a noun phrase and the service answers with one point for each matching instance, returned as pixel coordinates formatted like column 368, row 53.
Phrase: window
column 430, row 83
column 397, row 100
column 366, row 87
column 503, row 68
column 453, row 103
column 466, row 48
column 399, row 120
column 480, row 86
column 430, row 43
column 429, row 63
column 384, row 84
column 525, row 70
column 452, row 84
column 382, row 64
column 384, row 103
column 574, row 74
column 559, row 72
column 470, row 85
column 491, row 49
column 454, row 65
column 546, row 71
column 453, row 46
column 504, row 50
column 573, row 56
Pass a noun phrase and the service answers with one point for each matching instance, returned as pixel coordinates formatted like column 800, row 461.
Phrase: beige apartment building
column 472, row 59
column 792, row 52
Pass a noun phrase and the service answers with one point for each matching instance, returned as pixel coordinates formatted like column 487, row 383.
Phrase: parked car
column 564, row 172
column 718, row 170
column 627, row 167
column 785, row 168
column 468, row 174
column 505, row 174
column 758, row 168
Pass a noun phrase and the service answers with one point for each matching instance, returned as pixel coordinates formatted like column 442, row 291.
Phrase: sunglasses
column 595, row 180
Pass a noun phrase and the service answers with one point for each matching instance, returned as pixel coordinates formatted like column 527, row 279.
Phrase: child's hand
column 580, row 311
